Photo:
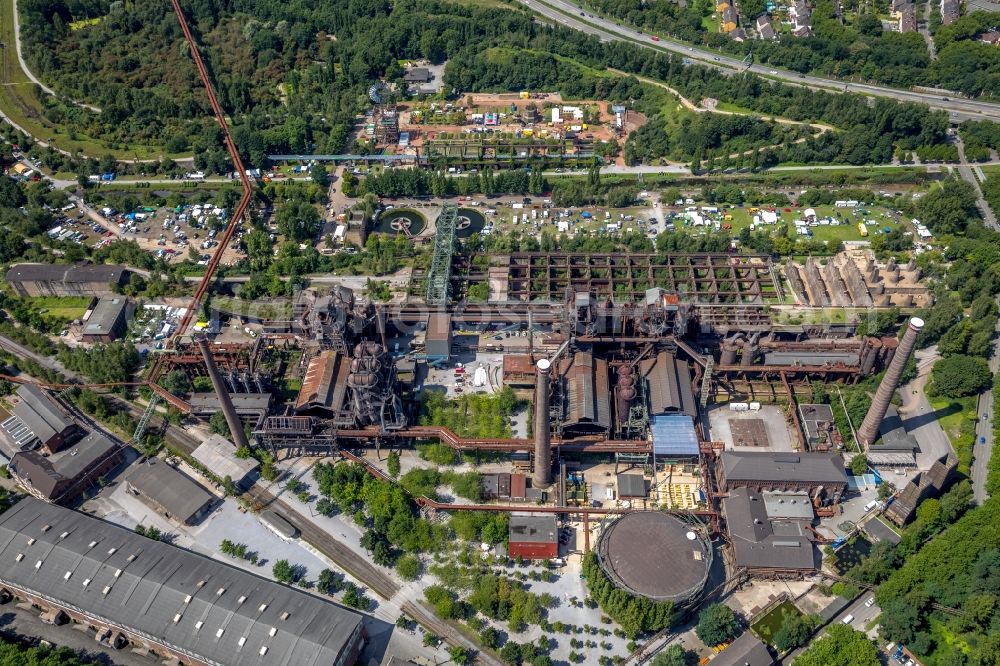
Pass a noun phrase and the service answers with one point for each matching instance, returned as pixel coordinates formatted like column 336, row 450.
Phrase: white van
column 848, row 619
column 871, row 505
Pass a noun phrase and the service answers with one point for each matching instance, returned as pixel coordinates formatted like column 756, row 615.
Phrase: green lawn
column 768, row 625
column 846, row 231
column 20, row 102
column 61, row 307
column 958, row 418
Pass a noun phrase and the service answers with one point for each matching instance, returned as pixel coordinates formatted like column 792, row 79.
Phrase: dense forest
column 958, row 569
column 294, row 76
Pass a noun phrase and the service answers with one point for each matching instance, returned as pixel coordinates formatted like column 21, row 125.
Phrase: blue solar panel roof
column 674, row 435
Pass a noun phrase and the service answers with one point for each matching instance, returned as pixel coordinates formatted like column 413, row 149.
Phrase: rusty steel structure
column 711, row 279
column 303, row 434
column 241, row 208
column 225, row 400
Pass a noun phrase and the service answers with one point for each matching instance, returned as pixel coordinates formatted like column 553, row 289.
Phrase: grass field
column 61, row 307
column 19, row 101
column 768, row 625
column 958, row 419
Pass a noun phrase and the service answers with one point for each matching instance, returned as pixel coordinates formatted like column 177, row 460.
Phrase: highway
column 570, row 16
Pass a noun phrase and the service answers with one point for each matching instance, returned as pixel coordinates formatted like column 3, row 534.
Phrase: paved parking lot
column 722, row 421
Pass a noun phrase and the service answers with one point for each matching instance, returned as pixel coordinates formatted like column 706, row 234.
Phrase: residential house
column 950, row 11
column 764, row 28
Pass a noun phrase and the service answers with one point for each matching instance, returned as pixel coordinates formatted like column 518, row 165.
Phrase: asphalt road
column 28, row 72
column 862, row 615
column 983, row 450
column 918, row 415
column 569, row 15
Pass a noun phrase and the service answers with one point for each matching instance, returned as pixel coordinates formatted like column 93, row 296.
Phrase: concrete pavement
column 919, row 417
column 572, row 16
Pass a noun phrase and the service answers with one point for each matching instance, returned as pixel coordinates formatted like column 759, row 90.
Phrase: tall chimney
column 868, row 432
column 225, row 401
column 543, row 446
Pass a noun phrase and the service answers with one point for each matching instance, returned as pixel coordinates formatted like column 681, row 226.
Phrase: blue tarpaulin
column 674, row 435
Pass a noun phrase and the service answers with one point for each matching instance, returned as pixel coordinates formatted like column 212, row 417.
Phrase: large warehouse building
column 37, row 420
column 806, row 472
column 183, row 606
column 59, row 280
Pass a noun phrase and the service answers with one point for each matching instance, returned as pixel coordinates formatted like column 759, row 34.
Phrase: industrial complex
column 588, row 435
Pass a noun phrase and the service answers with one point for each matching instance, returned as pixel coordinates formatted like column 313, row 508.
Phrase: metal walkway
column 439, row 275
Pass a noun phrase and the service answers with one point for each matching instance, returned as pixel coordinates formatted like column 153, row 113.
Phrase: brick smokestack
column 225, row 401
column 543, row 445
column 868, row 432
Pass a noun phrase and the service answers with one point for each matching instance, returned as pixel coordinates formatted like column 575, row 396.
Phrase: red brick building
column 533, row 537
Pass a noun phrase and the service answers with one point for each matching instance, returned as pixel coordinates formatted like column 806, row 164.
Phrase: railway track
column 354, row 564
column 442, row 629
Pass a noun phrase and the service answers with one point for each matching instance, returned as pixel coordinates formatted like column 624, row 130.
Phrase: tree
column 408, row 567
column 177, row 382
column 794, row 632
column 959, row 375
column 325, row 507
column 489, row 637
column 859, row 465
column 674, row 655
column 392, row 464
column 459, row 655
column 511, row 653
column 283, row 572
column 716, row 624
column 840, row 646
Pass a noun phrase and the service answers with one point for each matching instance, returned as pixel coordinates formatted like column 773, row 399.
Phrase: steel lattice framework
column 439, row 275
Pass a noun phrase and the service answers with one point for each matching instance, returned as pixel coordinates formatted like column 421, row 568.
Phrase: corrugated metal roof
column 438, row 327
column 218, row 455
column 41, row 413
column 814, row 468
column 674, row 435
column 588, row 393
column 104, row 315
column 179, row 496
column 210, row 610
column 518, row 486
column 325, row 382
column 669, row 381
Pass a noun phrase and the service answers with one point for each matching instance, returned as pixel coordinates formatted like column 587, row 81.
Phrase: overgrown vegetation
column 470, row 415
column 636, row 615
